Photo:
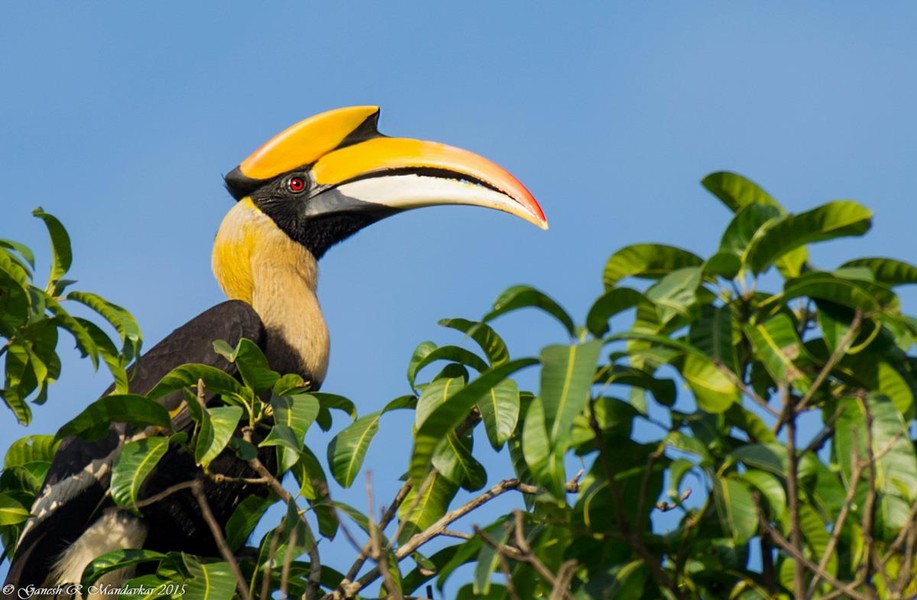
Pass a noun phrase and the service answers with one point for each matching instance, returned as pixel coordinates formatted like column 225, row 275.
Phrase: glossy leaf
column 829, row 221
column 521, row 296
column 61, row 253
column 11, row 510
column 119, row 318
column 777, row 345
column 566, row 380
column 32, row 448
column 251, row 362
column 887, row 271
column 210, row 581
column 135, row 462
column 93, row 422
column 737, row 191
column 609, row 304
column 216, row 429
column 215, row 381
column 425, row 504
column 492, row 344
column 736, row 508
column 451, row 353
column 453, row 458
column 714, row 391
column 348, row 448
column 116, row 560
column 648, row 261
column 499, row 409
column 446, row 417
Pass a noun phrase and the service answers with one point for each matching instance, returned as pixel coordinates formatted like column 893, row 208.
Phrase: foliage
column 684, row 399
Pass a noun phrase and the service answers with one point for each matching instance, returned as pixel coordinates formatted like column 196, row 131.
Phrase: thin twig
column 197, row 489
column 777, row 537
column 315, row 566
column 826, row 369
column 792, row 488
column 436, row 529
column 184, row 485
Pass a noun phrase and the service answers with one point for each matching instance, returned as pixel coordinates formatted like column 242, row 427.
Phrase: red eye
column 296, row 184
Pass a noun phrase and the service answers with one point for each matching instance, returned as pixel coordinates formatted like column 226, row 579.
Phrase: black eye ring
column 296, row 184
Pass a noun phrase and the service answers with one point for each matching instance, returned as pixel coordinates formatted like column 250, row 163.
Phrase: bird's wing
column 77, row 481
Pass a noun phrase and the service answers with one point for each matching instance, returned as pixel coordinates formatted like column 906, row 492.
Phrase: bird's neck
column 254, row 261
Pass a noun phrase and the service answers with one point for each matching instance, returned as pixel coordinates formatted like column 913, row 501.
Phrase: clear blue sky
column 120, row 118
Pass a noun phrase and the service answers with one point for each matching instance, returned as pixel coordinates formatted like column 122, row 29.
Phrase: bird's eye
column 296, row 184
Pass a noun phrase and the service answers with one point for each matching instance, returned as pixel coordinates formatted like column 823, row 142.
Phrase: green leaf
column 211, row 581
column 12, row 511
column 499, row 408
column 446, row 417
column 425, row 504
column 251, row 362
column 23, row 250
column 487, row 563
column 123, row 322
column 745, row 225
column 216, row 430
column 296, row 411
column 116, row 560
column 675, row 293
column 611, row 303
column 492, row 344
column 84, row 341
column 327, row 402
column 244, row 519
column 454, row 460
column 544, row 462
column 93, row 422
column 768, row 457
column 829, row 221
column 435, row 395
column 777, row 345
column 566, row 380
column 713, row 390
column 348, row 448
column 32, row 448
column 736, row 191
column 522, row 296
column 215, row 380
column 736, row 508
column 648, row 261
column 820, row 285
column 887, row 271
column 135, row 462
column 712, row 334
column 61, row 254
column 451, row 353
column 770, row 488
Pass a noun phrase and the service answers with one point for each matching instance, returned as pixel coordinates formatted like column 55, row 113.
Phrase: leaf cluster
column 666, row 451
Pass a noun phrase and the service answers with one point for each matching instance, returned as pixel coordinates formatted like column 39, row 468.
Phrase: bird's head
column 323, row 179
column 329, row 176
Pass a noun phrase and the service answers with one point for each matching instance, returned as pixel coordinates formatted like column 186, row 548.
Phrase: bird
column 309, row 187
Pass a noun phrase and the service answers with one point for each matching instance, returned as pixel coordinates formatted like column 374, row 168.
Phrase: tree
column 682, row 396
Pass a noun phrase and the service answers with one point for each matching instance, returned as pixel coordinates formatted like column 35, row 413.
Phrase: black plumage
column 87, row 500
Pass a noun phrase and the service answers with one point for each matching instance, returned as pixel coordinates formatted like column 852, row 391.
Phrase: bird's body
column 306, row 189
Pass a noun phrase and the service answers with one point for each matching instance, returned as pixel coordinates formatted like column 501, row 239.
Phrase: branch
column 777, row 537
column 225, row 551
column 347, row 590
column 315, row 566
column 792, row 487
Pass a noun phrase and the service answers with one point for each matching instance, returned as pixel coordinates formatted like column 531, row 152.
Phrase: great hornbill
column 306, row 189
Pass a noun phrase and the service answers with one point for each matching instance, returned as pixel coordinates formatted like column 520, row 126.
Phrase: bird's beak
column 353, row 168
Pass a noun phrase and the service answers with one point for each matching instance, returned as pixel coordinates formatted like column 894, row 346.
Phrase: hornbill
column 306, row 189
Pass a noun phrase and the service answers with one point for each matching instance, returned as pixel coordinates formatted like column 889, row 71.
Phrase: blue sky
column 120, row 118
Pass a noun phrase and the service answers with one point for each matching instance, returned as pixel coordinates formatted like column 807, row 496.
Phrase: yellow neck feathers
column 254, row 261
